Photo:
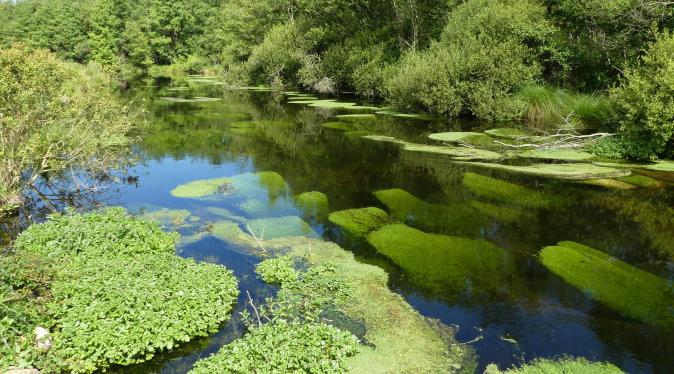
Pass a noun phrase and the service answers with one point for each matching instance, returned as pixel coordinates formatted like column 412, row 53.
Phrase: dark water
column 534, row 313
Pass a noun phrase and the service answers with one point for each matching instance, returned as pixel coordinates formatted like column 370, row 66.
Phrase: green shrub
column 644, row 102
column 118, row 293
column 284, row 347
column 487, row 50
column 43, row 102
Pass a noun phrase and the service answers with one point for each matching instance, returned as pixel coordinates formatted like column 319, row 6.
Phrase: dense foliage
column 473, row 58
column 113, row 293
column 55, row 117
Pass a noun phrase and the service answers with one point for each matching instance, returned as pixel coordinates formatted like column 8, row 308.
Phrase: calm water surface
column 534, row 313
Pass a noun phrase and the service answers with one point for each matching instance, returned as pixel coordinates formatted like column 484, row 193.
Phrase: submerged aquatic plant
column 573, row 171
column 360, row 222
column 495, row 189
column 203, row 188
column 438, row 262
column 456, row 219
column 279, row 227
column 624, row 288
column 314, row 204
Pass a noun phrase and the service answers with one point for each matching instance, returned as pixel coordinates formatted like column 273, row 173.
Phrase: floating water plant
column 194, row 100
column 667, row 165
column 456, row 153
column 575, row 171
column 457, row 219
column 507, row 132
column 116, row 281
column 384, row 139
column 438, row 262
column 404, row 115
column 558, row 154
column 204, row 188
column 343, row 126
column 561, row 366
column 613, row 184
column 390, row 322
column 279, row 227
column 624, row 288
column 456, row 136
column 355, row 117
column 314, row 204
column 360, row 222
column 498, row 190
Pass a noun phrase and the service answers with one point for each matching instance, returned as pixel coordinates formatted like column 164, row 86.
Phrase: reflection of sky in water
column 537, row 315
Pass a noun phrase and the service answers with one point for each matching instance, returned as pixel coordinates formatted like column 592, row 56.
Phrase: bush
column 488, row 49
column 644, row 102
column 53, row 117
column 118, row 291
column 284, row 348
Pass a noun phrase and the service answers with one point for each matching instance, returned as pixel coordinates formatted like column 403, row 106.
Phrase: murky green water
column 514, row 312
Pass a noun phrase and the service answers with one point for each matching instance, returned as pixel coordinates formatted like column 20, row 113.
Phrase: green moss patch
column 456, row 153
column 558, row 154
column 562, row 366
column 438, row 262
column 455, row 137
column 507, row 132
column 666, row 165
column 576, row 171
column 359, row 222
column 622, row 287
column 456, row 219
column 116, row 281
column 204, row 188
column 498, row 190
column 280, row 227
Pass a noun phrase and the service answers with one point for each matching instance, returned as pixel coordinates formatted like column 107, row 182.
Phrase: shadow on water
column 519, row 314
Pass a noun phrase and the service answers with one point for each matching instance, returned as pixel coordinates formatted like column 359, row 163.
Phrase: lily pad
column 359, row 222
column 203, row 188
column 558, row 154
column 622, row 287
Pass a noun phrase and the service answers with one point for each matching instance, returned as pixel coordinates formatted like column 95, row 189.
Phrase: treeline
column 608, row 60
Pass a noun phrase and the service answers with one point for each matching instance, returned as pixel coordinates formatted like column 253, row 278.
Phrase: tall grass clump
column 545, row 107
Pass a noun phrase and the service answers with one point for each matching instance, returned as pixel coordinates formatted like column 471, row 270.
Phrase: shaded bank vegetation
column 484, row 59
